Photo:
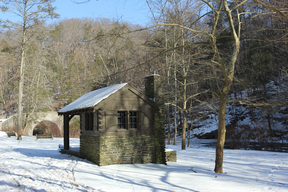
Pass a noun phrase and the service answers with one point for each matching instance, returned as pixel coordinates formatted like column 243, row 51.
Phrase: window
column 89, row 121
column 132, row 119
column 124, row 116
column 121, row 119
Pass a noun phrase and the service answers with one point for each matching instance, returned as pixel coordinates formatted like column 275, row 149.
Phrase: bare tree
column 8, row 75
column 186, row 56
column 229, row 16
column 31, row 13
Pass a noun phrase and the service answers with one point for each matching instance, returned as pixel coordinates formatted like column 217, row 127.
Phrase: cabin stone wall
column 90, row 148
column 171, row 156
column 118, row 150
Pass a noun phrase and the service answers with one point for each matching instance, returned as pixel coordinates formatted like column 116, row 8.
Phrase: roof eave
column 76, row 111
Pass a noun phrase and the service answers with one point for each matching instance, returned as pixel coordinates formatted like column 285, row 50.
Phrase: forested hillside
column 66, row 59
column 208, row 53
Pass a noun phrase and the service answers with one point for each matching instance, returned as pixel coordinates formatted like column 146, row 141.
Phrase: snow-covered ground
column 38, row 166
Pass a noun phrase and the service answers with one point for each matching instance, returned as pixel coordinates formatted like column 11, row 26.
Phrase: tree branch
column 272, row 8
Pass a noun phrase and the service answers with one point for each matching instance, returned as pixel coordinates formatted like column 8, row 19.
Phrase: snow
column 168, row 150
column 243, row 115
column 2, row 120
column 38, row 166
column 92, row 98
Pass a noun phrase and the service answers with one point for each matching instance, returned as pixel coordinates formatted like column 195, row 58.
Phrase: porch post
column 66, row 131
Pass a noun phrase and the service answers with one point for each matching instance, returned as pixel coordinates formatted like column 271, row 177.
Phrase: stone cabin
column 117, row 126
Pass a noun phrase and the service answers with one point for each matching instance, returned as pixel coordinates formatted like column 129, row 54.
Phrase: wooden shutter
column 95, row 121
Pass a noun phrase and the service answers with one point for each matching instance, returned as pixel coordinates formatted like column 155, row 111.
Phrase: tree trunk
column 19, row 122
column 20, row 94
column 269, row 125
column 184, row 130
column 191, row 125
column 175, row 126
column 22, row 65
column 168, row 116
column 175, row 89
column 228, row 72
column 168, row 88
column 221, row 134
column 184, row 127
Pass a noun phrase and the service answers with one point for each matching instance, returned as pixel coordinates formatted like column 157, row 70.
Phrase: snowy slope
column 206, row 121
column 241, row 115
column 38, row 166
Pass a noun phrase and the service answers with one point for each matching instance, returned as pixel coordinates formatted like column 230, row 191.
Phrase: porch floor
column 75, row 151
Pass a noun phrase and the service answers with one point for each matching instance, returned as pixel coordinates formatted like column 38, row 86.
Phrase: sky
column 133, row 11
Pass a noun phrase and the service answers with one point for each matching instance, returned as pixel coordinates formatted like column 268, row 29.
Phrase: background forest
column 193, row 46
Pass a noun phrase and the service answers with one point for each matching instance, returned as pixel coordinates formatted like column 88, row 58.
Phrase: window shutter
column 95, row 121
column 126, row 120
column 101, row 120
column 138, row 119
column 82, row 120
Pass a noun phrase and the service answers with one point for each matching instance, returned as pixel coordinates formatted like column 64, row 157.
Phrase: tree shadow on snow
column 55, row 154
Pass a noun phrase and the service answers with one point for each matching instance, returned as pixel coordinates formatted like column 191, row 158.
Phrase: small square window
column 127, row 120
